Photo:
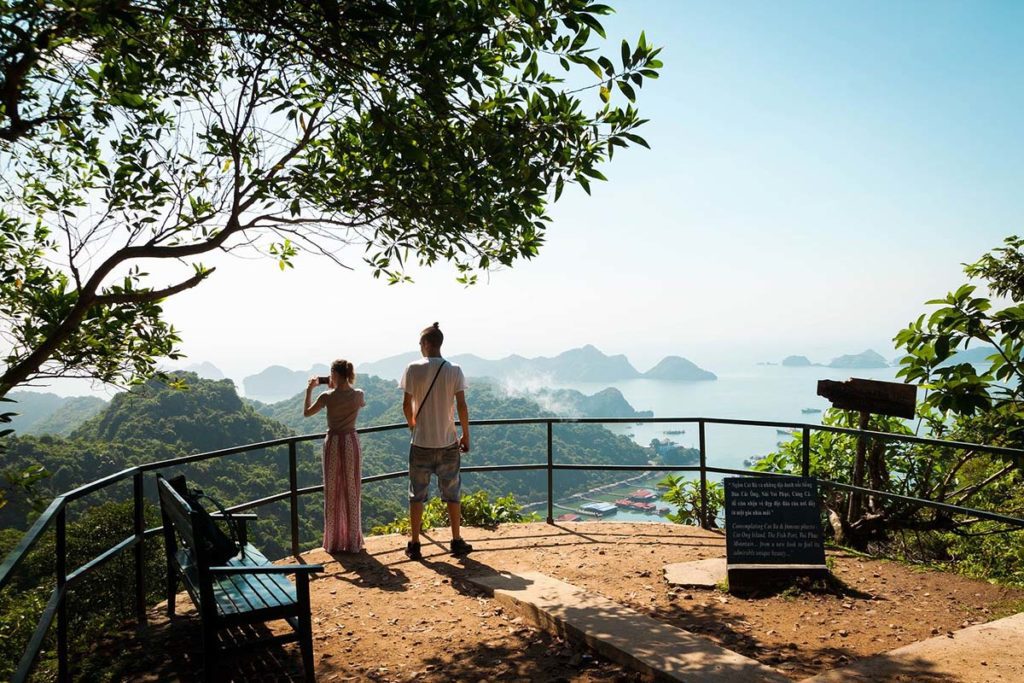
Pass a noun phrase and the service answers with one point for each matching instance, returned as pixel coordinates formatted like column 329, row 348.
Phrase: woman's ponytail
column 345, row 370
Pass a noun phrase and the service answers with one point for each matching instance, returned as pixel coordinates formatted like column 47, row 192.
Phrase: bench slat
column 240, row 602
column 252, row 590
column 276, row 585
column 274, row 589
column 241, row 593
column 237, row 587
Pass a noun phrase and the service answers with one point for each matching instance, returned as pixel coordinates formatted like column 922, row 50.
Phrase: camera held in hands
column 323, row 380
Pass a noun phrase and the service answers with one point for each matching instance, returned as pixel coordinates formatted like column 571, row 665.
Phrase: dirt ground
column 379, row 616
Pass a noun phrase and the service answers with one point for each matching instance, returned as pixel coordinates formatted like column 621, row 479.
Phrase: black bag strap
column 194, row 496
column 436, row 374
column 229, row 519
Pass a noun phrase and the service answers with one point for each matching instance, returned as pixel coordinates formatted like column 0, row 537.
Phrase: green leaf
column 127, row 99
column 633, row 137
column 593, row 23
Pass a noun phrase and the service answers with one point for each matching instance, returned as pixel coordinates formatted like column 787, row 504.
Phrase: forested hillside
column 46, row 413
column 156, row 422
column 204, row 415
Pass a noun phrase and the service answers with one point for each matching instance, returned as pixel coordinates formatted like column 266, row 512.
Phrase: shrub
column 477, row 510
column 685, row 495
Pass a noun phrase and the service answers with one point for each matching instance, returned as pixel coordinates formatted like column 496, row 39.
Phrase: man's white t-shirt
column 435, row 425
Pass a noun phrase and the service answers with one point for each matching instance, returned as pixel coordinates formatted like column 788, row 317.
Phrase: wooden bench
column 248, row 589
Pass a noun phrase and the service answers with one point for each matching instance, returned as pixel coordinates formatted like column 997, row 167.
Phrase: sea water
column 758, row 392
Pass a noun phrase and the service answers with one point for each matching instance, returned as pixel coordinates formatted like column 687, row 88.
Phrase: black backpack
column 219, row 546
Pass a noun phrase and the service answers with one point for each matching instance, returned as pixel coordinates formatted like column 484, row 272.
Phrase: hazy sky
column 818, row 171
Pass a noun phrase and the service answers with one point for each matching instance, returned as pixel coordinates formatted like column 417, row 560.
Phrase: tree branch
column 941, row 493
column 151, row 295
column 966, row 492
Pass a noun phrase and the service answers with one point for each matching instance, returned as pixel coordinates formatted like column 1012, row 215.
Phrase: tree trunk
column 878, row 474
column 853, row 511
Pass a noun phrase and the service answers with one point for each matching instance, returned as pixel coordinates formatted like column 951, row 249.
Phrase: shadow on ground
column 173, row 651
column 364, row 570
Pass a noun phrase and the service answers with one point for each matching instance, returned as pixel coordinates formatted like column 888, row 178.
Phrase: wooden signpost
column 871, row 396
column 773, row 531
column 868, row 396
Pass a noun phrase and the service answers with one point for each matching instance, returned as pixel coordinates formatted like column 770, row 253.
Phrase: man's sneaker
column 460, row 547
column 412, row 550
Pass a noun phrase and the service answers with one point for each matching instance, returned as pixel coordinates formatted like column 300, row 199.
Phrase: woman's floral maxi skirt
column 343, row 529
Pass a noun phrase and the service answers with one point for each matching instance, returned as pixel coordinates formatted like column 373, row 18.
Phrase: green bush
column 685, row 495
column 477, row 510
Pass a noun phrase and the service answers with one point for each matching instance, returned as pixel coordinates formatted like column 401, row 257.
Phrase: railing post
column 62, row 604
column 293, row 488
column 140, row 557
column 805, row 453
column 551, row 479
column 704, row 523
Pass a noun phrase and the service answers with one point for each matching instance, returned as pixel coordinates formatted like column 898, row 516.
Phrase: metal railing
column 55, row 514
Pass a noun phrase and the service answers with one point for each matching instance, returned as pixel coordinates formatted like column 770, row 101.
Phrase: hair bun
column 436, row 326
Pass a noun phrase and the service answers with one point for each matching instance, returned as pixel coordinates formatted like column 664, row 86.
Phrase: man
column 430, row 385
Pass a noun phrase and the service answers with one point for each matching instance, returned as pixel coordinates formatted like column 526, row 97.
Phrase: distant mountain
column 31, row 407
column 585, row 364
column 390, row 367
column 504, row 368
column 867, row 359
column 677, row 368
column 796, row 362
column 277, row 383
column 205, row 370
column 74, row 411
column 382, row 394
column 571, row 403
column 46, row 413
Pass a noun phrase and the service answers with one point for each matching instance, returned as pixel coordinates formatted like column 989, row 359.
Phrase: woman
column 343, row 530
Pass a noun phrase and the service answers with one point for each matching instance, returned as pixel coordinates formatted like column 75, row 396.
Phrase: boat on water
column 785, row 432
column 674, row 431
column 807, row 411
column 753, row 460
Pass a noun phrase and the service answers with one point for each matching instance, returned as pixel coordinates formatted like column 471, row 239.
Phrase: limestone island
column 678, row 368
